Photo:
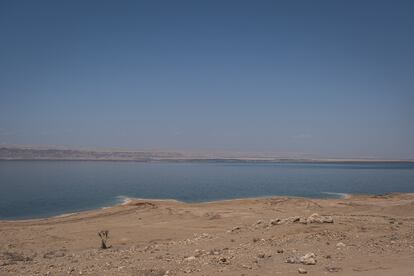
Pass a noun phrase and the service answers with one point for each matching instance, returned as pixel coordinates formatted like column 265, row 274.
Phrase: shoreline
column 126, row 201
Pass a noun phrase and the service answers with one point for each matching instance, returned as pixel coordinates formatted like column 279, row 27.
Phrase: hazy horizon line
column 211, row 154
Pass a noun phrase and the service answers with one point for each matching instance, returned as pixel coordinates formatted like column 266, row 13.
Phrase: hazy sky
column 328, row 78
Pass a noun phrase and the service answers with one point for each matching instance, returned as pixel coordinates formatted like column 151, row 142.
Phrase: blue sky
column 325, row 78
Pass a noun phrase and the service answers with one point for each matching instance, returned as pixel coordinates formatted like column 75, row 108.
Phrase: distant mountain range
column 32, row 153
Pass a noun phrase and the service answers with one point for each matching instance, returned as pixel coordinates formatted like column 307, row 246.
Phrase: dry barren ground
column 360, row 235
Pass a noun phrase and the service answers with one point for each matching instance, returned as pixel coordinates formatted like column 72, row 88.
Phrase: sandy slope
column 371, row 235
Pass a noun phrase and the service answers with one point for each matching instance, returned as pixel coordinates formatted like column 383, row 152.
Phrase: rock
column 328, row 219
column 316, row 218
column 308, row 259
column 234, row 229
column 280, row 251
column 213, row 252
column 292, row 260
column 340, row 244
column 302, row 271
column 13, row 257
column 191, row 258
column 333, row 269
column 54, row 254
column 223, row 260
column 206, row 236
column 198, row 252
column 275, row 221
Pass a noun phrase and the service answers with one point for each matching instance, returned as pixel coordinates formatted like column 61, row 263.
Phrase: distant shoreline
column 15, row 153
column 218, row 160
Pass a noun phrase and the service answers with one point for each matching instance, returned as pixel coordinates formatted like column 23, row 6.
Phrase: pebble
column 275, row 221
column 308, row 259
column 302, row 271
column 292, row 260
column 333, row 269
column 234, row 229
column 223, row 260
column 198, row 252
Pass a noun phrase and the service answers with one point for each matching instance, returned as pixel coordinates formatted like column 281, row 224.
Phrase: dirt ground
column 358, row 235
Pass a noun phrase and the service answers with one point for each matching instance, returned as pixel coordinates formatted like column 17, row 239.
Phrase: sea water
column 34, row 189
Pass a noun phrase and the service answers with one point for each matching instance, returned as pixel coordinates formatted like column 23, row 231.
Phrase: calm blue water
column 30, row 189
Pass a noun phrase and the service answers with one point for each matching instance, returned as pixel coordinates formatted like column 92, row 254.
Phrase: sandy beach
column 356, row 235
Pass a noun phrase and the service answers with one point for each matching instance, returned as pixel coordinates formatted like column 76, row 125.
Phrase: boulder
column 316, row 218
